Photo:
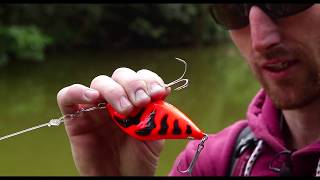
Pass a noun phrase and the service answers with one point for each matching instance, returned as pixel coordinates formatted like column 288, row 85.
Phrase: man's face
column 284, row 55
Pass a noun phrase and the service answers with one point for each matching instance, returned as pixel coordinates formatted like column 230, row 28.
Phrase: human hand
column 98, row 146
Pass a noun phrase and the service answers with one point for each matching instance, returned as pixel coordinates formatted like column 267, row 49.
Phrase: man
column 280, row 42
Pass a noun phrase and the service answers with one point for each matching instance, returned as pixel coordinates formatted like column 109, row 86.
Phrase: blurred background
column 46, row 47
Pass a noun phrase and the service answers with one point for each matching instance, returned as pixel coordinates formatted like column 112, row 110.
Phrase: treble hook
column 186, row 81
column 195, row 157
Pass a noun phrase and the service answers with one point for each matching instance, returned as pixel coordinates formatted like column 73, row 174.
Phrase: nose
column 264, row 32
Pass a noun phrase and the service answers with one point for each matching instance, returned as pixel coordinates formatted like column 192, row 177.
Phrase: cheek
column 316, row 47
column 241, row 38
column 254, row 69
column 305, row 34
column 309, row 49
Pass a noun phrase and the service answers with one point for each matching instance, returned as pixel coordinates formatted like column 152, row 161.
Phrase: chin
column 293, row 101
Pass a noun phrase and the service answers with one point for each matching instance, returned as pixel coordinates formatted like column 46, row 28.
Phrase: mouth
column 279, row 68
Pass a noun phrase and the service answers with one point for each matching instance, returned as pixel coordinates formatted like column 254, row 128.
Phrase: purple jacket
column 263, row 119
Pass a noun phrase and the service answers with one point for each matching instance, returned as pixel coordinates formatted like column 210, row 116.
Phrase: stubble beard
column 293, row 93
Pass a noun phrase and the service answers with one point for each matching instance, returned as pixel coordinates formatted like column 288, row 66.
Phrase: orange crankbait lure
column 161, row 120
column 158, row 120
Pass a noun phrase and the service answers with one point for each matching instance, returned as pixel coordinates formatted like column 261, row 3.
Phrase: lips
column 279, row 65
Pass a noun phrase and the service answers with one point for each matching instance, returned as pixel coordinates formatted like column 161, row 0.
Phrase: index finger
column 69, row 98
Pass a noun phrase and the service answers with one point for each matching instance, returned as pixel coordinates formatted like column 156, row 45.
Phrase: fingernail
column 124, row 103
column 155, row 89
column 90, row 94
column 141, row 95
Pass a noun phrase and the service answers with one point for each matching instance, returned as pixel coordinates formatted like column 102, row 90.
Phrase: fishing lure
column 161, row 120
column 158, row 120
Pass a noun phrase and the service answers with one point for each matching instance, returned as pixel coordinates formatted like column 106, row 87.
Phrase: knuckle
column 98, row 79
column 117, row 73
column 149, row 76
column 75, row 88
column 113, row 91
column 136, row 84
column 68, row 92
column 107, row 86
column 61, row 93
column 144, row 71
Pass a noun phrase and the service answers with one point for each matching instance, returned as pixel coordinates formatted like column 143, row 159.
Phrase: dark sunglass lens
column 283, row 10
column 231, row 16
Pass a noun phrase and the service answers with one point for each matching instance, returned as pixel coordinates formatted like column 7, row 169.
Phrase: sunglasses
column 236, row 16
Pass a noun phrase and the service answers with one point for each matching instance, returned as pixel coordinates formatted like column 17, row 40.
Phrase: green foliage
column 22, row 43
column 75, row 26
column 144, row 28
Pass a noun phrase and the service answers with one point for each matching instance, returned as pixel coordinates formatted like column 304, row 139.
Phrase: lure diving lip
column 157, row 120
